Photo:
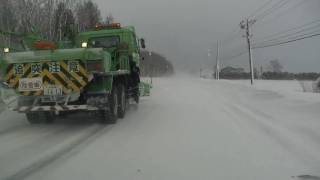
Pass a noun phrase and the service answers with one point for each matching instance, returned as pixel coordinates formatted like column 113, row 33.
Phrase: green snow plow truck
column 99, row 73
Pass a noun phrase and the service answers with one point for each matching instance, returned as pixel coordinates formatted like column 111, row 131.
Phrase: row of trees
column 52, row 19
column 239, row 73
column 57, row 20
column 230, row 72
column 273, row 71
column 290, row 76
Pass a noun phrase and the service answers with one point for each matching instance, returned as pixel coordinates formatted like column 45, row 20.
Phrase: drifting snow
column 188, row 129
column 292, row 89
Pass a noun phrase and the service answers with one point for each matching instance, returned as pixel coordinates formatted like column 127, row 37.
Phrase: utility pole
column 209, row 56
column 246, row 25
column 151, row 73
column 217, row 68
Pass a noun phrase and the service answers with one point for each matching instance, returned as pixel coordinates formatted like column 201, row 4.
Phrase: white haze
column 183, row 30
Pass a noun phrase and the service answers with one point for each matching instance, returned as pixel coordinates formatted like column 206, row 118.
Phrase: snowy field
column 188, row 129
column 293, row 89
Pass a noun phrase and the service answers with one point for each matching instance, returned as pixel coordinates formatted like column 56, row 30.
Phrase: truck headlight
column 84, row 45
column 6, row 50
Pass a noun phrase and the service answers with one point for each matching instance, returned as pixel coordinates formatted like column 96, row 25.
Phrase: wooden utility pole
column 152, row 66
column 217, row 68
column 246, row 25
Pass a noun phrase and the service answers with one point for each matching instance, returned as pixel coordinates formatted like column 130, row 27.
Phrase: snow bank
column 292, row 89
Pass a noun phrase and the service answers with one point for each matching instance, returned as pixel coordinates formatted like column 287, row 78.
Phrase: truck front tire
column 122, row 97
column 40, row 117
column 110, row 115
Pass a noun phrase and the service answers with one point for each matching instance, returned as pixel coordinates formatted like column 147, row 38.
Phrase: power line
column 291, row 29
column 232, row 38
column 275, row 7
column 286, row 42
column 260, row 16
column 276, row 38
column 270, row 45
column 265, row 22
column 259, row 9
column 234, row 56
column 292, row 37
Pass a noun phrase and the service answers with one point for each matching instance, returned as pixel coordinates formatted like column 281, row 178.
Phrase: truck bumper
column 56, row 108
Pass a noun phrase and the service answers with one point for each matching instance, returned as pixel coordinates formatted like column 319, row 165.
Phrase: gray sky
column 183, row 30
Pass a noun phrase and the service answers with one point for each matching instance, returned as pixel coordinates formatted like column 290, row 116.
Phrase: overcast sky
column 184, row 30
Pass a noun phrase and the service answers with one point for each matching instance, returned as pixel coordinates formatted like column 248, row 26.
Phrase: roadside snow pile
column 289, row 88
column 316, row 86
column 274, row 85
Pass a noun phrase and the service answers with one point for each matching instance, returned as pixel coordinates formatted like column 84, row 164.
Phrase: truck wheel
column 40, row 117
column 110, row 115
column 122, row 97
column 33, row 118
column 49, row 117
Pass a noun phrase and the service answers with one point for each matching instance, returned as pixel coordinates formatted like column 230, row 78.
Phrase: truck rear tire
column 40, row 117
column 110, row 115
column 122, row 97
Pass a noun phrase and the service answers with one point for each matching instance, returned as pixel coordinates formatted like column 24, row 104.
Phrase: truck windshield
column 104, row 42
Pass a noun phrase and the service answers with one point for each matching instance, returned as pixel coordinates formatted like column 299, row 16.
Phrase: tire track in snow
column 287, row 140
column 302, row 130
column 45, row 161
column 19, row 143
column 305, row 131
column 12, row 129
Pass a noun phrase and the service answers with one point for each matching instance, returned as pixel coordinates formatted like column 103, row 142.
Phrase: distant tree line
column 52, row 19
column 290, row 76
column 230, row 72
column 155, row 65
column 274, row 71
column 239, row 73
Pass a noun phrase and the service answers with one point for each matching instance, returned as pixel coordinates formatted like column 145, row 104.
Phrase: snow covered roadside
column 291, row 89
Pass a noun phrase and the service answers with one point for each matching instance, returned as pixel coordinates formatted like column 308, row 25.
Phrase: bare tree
column 7, row 18
column 87, row 15
column 275, row 66
column 63, row 22
column 109, row 19
column 52, row 19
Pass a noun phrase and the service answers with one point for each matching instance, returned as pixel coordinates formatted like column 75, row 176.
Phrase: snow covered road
column 188, row 129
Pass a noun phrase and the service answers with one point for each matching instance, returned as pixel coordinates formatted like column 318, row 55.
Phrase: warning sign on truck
column 30, row 84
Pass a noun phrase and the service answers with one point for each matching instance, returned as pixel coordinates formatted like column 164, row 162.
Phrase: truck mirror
column 143, row 44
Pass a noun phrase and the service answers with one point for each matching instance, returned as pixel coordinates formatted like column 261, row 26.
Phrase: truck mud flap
column 144, row 89
column 57, row 108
